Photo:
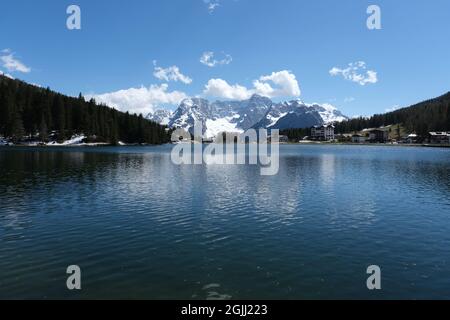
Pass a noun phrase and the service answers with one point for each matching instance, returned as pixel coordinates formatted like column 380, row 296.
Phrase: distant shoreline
column 418, row 145
column 312, row 143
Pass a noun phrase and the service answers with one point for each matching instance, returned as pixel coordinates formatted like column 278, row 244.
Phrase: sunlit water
column 141, row 227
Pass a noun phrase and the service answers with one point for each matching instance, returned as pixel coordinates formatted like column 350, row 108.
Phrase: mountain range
column 258, row 112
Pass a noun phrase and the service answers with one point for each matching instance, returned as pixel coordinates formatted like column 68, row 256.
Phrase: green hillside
column 421, row 118
column 27, row 110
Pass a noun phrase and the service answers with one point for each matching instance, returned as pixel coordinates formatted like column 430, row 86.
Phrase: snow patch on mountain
column 217, row 126
column 275, row 118
column 161, row 116
column 328, row 112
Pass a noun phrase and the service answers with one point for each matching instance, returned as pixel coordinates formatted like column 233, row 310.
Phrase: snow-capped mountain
column 328, row 112
column 238, row 116
column 161, row 116
column 296, row 114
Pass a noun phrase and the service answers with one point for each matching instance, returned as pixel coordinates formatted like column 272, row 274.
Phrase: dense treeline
column 296, row 134
column 27, row 110
column 431, row 115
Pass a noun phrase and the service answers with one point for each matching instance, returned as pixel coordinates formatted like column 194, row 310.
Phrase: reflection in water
column 141, row 227
column 327, row 169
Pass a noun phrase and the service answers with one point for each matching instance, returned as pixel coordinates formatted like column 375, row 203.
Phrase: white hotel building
column 324, row 133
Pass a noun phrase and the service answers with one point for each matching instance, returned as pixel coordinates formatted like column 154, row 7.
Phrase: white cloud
column 286, row 85
column 208, row 59
column 221, row 89
column 11, row 63
column 211, row 5
column 349, row 99
column 140, row 100
column 278, row 84
column 144, row 100
column 392, row 109
column 6, row 75
column 356, row 72
column 172, row 73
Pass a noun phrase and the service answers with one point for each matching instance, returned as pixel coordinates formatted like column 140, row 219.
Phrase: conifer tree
column 43, row 131
column 17, row 129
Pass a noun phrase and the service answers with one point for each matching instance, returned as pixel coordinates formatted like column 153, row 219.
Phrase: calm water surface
column 141, row 227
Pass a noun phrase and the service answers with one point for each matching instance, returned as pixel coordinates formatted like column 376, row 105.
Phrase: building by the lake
column 323, row 133
column 439, row 137
column 281, row 139
column 357, row 138
column 378, row 136
column 411, row 138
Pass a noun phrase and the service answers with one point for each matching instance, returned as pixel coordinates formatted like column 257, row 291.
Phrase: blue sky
column 125, row 50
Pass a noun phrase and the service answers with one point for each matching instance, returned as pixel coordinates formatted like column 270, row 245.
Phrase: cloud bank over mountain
column 144, row 100
column 140, row 100
column 278, row 84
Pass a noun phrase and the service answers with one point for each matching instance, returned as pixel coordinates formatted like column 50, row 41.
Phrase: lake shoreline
column 97, row 145
column 374, row 144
